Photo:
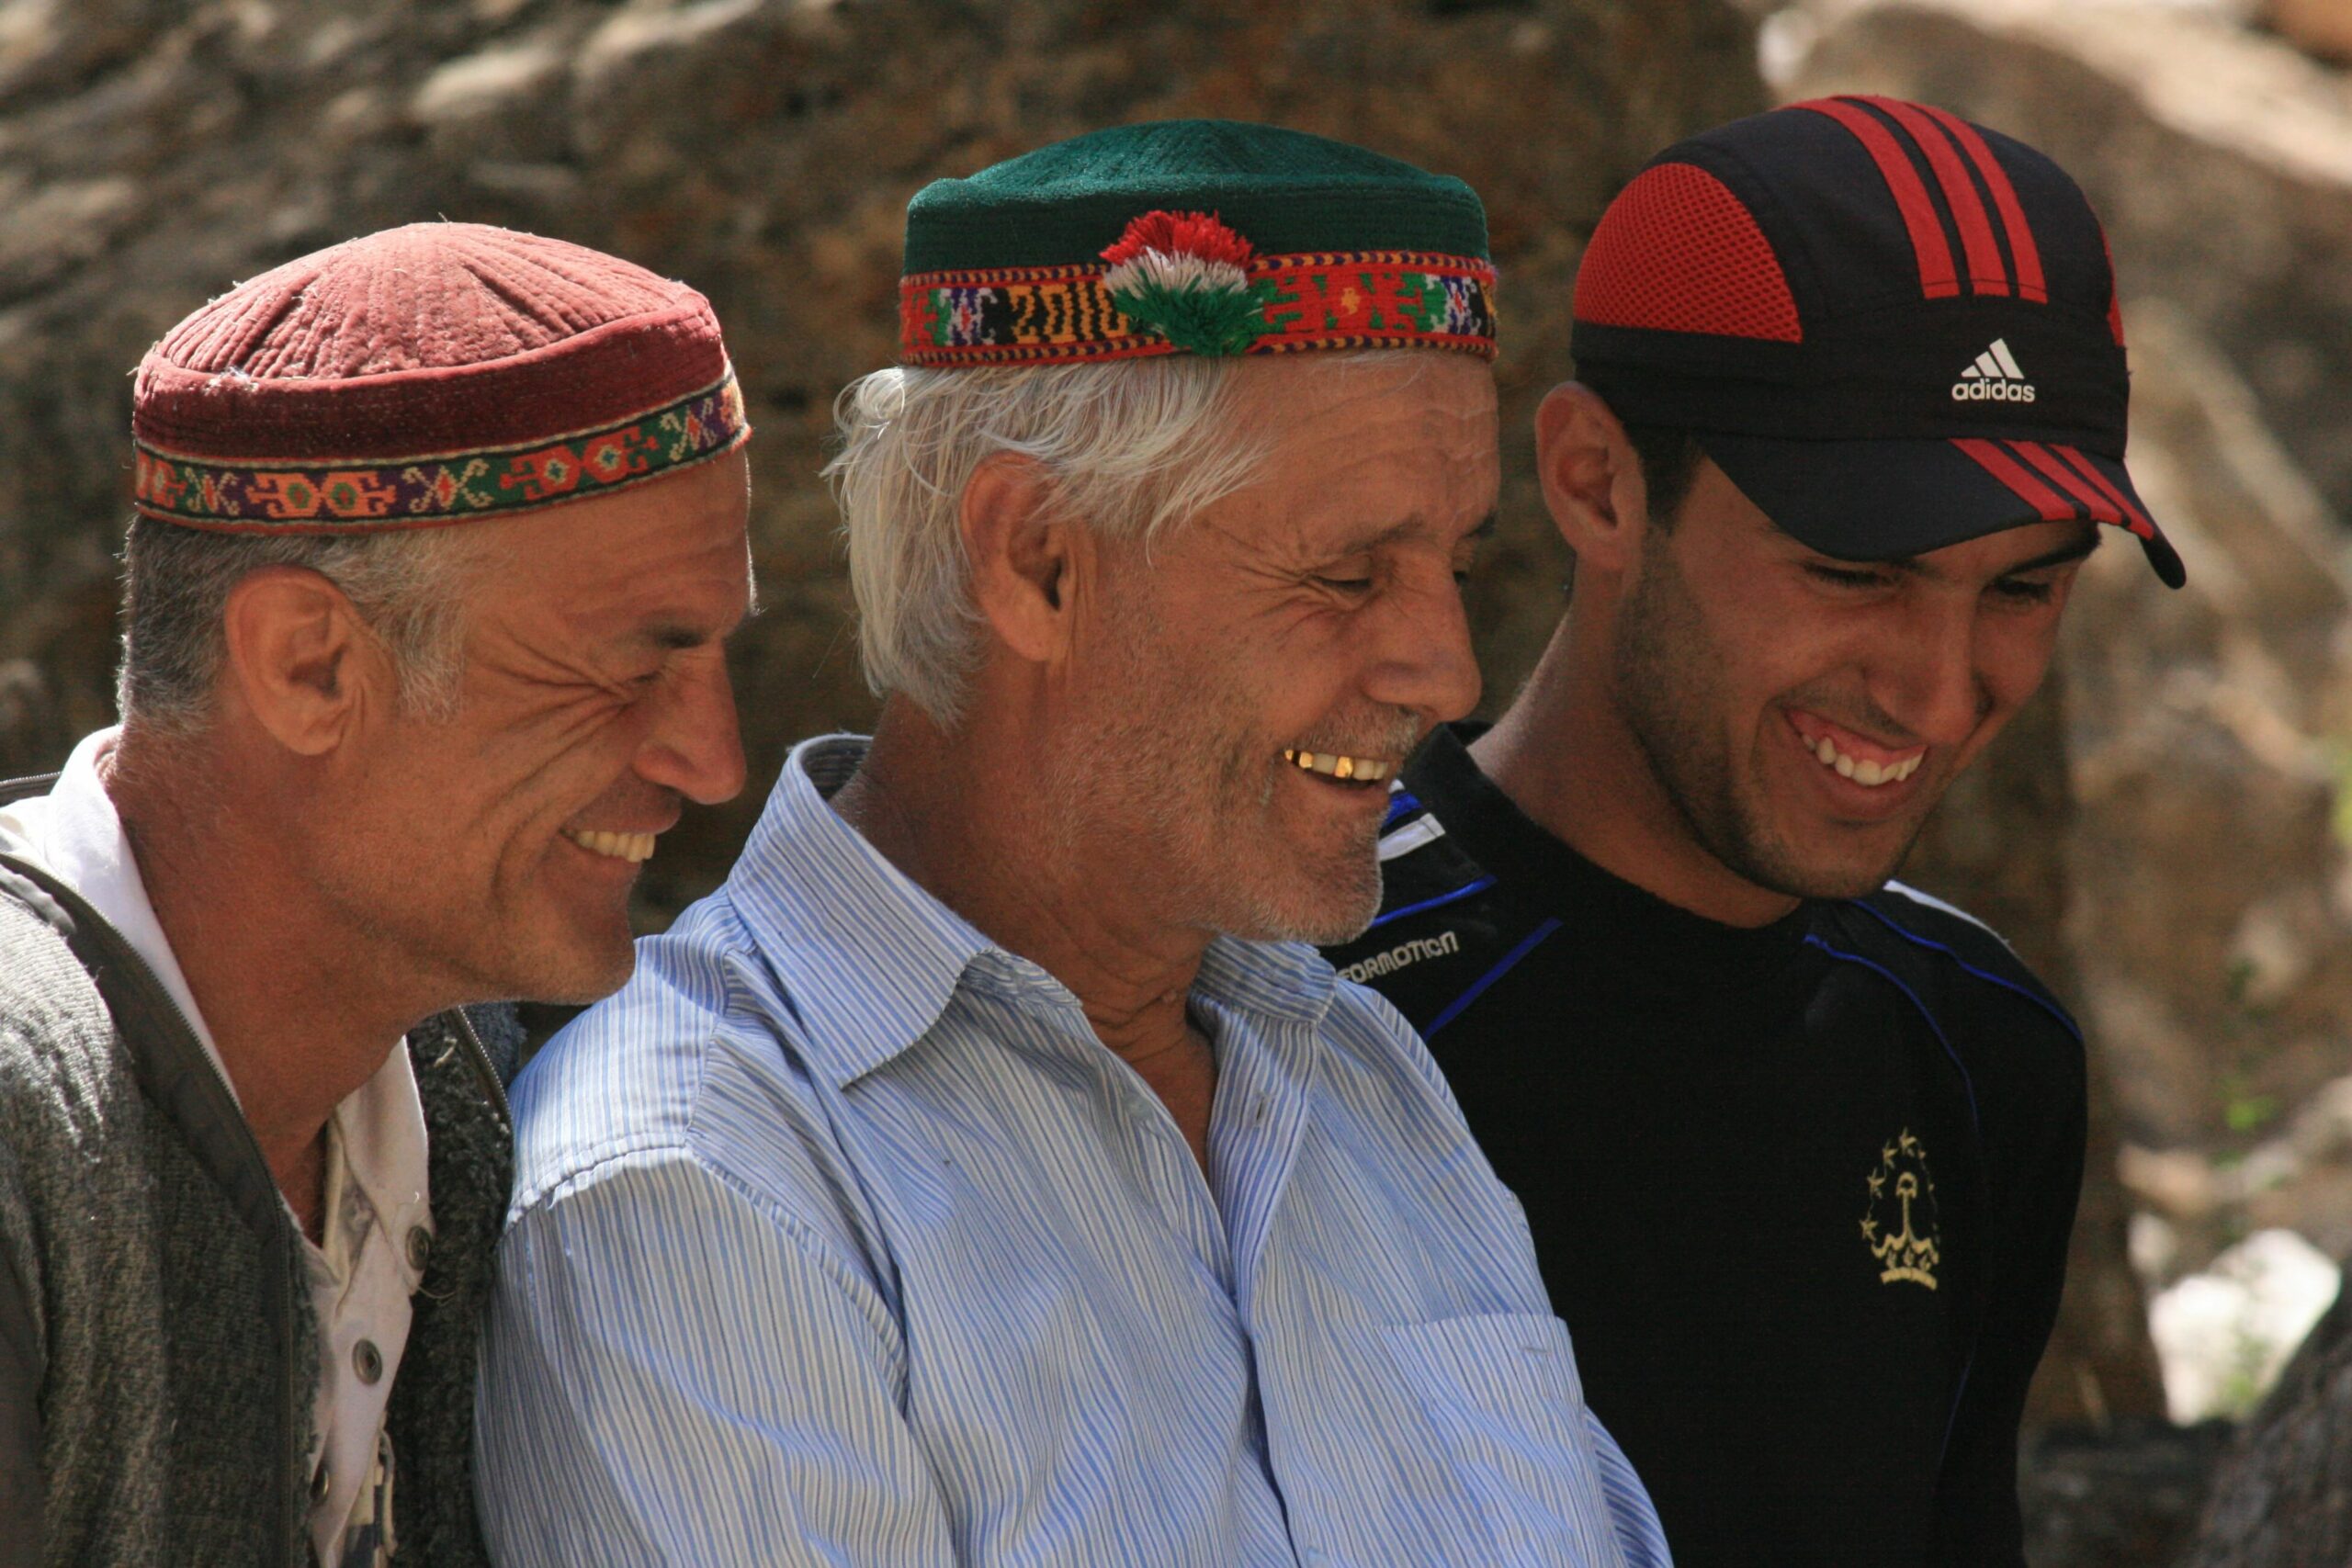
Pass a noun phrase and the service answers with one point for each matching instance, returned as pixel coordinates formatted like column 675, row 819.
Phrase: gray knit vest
column 150, row 1266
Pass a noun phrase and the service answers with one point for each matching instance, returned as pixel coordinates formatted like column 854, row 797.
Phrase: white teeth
column 1862, row 771
column 631, row 847
column 1361, row 769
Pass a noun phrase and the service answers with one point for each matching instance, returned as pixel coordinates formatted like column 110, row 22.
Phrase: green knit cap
column 1192, row 236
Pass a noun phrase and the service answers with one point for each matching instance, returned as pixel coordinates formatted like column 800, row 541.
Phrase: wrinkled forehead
column 1365, row 445
column 669, row 561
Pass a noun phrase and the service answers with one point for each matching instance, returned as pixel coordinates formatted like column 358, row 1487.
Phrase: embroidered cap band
column 1203, row 237
column 424, row 376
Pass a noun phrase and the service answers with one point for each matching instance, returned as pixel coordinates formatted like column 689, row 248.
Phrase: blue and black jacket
column 1803, row 1192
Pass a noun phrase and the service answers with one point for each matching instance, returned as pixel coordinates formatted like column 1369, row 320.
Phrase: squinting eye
column 1345, row 584
column 1844, row 577
column 2025, row 592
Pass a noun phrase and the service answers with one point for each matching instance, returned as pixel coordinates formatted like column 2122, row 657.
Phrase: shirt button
column 420, row 1247
column 367, row 1360
column 322, row 1482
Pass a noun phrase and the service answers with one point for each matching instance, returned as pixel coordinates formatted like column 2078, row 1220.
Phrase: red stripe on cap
column 2030, row 283
column 1987, row 272
column 1936, row 278
column 2053, row 507
column 2137, row 521
column 2101, row 508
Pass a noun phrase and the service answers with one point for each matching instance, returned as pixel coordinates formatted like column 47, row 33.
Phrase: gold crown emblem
column 1901, row 1226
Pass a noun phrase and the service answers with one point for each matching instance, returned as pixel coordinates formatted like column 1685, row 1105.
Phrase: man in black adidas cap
column 1800, row 1146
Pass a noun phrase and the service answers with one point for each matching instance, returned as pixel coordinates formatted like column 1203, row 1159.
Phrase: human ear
column 299, row 658
column 1592, row 476
column 1022, row 554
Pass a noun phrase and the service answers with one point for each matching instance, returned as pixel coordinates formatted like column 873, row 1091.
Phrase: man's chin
column 1826, row 875
column 1321, row 911
column 573, row 971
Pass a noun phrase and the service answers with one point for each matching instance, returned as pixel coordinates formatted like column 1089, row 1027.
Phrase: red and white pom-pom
column 1180, row 252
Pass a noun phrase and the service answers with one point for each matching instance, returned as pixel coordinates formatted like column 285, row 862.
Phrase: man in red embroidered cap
column 439, row 533
column 1800, row 1146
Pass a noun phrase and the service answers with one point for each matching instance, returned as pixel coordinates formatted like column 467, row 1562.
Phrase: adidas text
column 1994, row 377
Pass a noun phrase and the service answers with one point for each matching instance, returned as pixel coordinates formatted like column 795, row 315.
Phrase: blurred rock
column 2206, row 923
column 2299, row 1178
column 2226, row 1333
column 2127, row 1495
column 2322, row 28
column 2282, row 1498
column 151, row 151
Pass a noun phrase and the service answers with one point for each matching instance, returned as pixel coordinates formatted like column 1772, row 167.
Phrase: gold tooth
column 1363, row 770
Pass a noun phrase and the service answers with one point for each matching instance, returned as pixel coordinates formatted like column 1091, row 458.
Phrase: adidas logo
column 1994, row 378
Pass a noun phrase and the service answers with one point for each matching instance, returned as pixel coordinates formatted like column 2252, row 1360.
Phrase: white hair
column 1132, row 448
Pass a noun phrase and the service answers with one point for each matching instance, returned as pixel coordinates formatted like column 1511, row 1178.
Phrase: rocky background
column 2162, row 833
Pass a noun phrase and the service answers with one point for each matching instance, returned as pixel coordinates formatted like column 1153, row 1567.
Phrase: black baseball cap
column 1891, row 328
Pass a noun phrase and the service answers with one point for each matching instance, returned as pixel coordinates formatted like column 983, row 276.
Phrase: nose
column 1927, row 676
column 695, row 746
column 1423, row 661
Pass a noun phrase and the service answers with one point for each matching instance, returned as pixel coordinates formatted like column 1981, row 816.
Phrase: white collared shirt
column 377, row 1197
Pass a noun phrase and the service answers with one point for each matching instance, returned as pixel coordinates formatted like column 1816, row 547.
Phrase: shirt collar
column 869, row 960
column 74, row 833
column 385, row 1152
column 1287, row 980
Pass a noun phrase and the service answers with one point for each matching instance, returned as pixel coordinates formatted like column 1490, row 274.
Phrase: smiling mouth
column 631, row 847
column 1342, row 769
column 1846, row 762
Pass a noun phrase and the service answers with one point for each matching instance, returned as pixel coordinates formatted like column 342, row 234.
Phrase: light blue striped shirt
column 839, row 1238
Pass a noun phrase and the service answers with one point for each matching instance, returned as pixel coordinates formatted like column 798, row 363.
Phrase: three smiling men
column 989, row 1173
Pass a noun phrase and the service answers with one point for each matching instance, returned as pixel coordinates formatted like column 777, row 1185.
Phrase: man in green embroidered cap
column 989, row 1174
column 438, row 532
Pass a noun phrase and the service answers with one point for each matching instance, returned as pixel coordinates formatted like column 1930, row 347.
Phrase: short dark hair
column 176, row 583
column 1670, row 457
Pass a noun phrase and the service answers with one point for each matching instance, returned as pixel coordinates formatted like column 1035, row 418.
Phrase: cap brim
column 1887, row 500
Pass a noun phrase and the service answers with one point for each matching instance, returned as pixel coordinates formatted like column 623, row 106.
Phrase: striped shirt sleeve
column 674, row 1373
column 1631, row 1512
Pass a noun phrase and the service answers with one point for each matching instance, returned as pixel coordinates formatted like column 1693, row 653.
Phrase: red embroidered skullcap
column 423, row 375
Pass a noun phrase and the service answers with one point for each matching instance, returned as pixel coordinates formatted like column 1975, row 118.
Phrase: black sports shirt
column 1801, row 1192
